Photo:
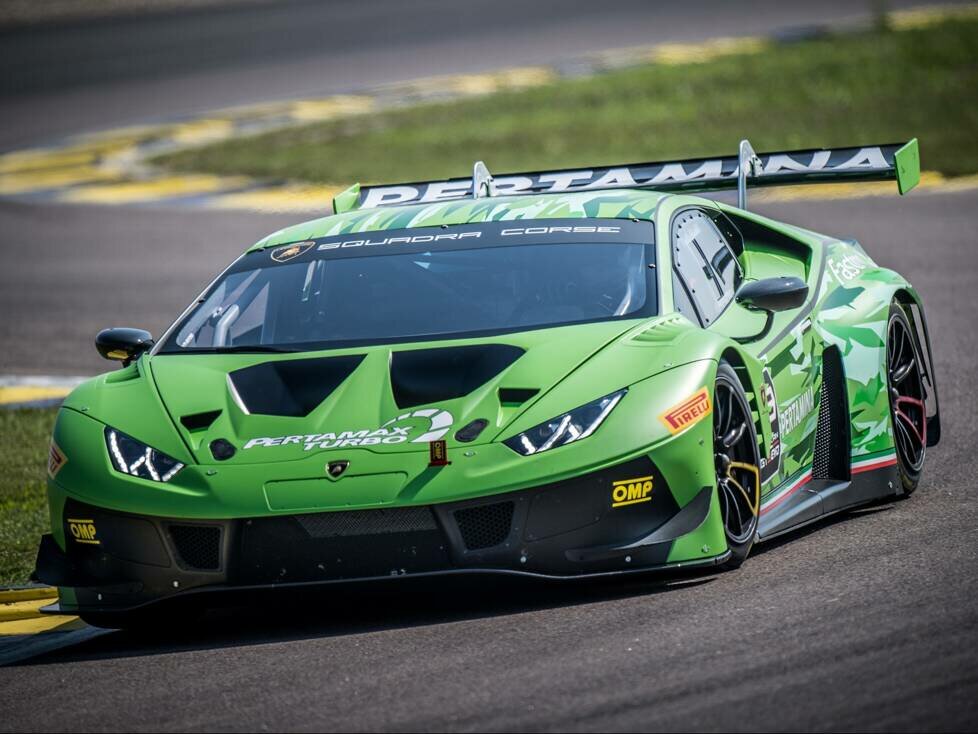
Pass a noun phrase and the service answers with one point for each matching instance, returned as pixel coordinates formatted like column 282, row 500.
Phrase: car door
column 706, row 275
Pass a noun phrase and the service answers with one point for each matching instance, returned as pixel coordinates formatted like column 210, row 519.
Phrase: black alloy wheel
column 908, row 397
column 736, row 456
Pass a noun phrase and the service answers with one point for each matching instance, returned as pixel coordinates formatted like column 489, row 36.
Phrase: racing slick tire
column 737, row 460
column 907, row 397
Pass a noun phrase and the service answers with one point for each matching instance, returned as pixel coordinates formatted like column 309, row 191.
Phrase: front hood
column 390, row 398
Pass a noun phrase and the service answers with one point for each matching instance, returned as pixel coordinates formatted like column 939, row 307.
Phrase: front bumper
column 615, row 520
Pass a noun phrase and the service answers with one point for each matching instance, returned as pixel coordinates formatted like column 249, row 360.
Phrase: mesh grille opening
column 831, row 460
column 198, row 546
column 486, row 526
column 367, row 522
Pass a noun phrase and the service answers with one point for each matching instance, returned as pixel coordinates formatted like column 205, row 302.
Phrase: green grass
column 872, row 87
column 24, row 446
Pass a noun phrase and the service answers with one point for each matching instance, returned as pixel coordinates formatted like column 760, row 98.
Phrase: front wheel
column 736, row 456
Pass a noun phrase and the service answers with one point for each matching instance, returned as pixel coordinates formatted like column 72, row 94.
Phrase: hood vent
column 199, row 421
column 424, row 376
column 291, row 388
column 512, row 397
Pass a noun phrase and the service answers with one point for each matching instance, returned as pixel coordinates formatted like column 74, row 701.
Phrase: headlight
column 567, row 428
column 129, row 456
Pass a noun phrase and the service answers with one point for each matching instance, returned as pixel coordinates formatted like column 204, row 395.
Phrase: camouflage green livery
column 645, row 472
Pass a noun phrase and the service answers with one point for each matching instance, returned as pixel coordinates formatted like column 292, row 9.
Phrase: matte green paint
column 661, row 360
column 907, row 161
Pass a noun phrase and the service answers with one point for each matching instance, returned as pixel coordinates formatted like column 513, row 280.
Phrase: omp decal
column 631, row 491
column 288, row 252
column 56, row 460
column 433, row 424
column 83, row 531
column 688, row 412
column 797, row 410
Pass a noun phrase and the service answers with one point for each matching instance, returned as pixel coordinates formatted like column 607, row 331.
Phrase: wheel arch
column 749, row 379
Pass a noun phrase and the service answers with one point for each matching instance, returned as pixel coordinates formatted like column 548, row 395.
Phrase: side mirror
column 123, row 344
column 771, row 295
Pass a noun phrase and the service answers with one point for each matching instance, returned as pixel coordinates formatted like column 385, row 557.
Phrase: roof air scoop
column 483, row 184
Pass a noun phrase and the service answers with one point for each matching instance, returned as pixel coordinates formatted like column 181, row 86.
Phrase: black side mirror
column 123, row 344
column 771, row 295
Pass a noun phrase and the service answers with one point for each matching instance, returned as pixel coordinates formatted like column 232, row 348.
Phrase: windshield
column 424, row 283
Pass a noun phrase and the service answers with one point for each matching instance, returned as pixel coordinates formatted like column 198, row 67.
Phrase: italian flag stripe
column 793, row 485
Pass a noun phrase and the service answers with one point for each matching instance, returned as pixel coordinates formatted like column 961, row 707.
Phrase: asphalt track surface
column 866, row 621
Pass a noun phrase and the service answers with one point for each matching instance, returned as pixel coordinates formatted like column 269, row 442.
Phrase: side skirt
column 802, row 500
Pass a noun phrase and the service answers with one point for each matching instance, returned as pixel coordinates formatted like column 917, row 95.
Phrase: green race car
column 560, row 374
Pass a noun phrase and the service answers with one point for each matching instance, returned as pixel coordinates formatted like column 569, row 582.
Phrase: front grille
column 367, row 522
column 198, row 546
column 339, row 545
column 485, row 526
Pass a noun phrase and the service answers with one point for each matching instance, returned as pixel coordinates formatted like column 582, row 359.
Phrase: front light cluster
column 130, row 456
column 567, row 428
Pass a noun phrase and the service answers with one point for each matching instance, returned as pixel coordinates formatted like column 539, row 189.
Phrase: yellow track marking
column 279, row 199
column 56, row 178
column 200, row 132
column 331, row 108
column 902, row 20
column 37, row 625
column 22, row 609
column 9, row 596
column 157, row 189
column 697, row 53
column 28, row 394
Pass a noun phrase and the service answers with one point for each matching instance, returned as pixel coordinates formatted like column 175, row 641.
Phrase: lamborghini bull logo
column 418, row 426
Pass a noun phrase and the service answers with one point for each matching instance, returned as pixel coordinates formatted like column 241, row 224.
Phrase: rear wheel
column 736, row 458
column 908, row 410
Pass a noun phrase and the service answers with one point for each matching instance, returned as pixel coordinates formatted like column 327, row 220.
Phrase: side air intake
column 832, row 453
column 485, row 526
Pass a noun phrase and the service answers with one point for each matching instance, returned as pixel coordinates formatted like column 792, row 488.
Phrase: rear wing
column 900, row 161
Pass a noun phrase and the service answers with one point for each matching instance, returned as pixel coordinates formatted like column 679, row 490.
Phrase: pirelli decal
column 688, row 412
